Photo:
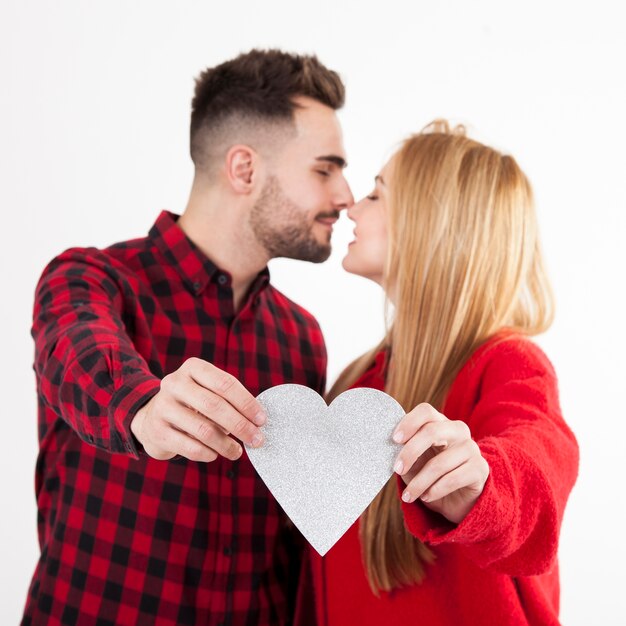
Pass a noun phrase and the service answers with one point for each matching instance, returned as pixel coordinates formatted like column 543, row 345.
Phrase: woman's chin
column 350, row 265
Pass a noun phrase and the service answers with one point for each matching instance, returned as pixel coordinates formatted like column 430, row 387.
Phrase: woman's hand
column 440, row 462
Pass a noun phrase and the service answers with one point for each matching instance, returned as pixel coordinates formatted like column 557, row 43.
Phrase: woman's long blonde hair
column 464, row 261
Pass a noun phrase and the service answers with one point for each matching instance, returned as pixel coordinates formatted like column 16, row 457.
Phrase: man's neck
column 220, row 233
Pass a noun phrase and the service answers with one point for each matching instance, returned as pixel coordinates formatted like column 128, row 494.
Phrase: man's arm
column 89, row 372
column 92, row 376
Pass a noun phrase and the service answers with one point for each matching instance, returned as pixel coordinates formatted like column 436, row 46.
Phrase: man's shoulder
column 129, row 247
column 118, row 254
column 117, row 261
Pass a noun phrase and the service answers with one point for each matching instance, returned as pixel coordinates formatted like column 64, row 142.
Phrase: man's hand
column 440, row 462
column 195, row 411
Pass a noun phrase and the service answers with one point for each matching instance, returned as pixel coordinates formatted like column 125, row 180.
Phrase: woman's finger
column 443, row 434
column 472, row 473
column 414, row 420
column 440, row 465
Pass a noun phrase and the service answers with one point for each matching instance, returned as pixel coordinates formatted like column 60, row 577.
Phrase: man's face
column 305, row 189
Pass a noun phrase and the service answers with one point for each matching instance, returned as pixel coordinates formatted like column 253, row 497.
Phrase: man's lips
column 327, row 221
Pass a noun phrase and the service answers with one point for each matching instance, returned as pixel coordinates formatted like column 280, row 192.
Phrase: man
column 149, row 355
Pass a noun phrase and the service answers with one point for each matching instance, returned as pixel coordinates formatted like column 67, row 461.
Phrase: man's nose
column 345, row 199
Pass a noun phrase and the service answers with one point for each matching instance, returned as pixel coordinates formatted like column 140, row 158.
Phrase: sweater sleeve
column 88, row 370
column 533, row 459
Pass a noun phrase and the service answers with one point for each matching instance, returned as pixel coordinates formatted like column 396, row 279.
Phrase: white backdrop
column 94, row 109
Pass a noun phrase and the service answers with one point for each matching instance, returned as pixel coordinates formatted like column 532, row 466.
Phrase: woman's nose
column 353, row 211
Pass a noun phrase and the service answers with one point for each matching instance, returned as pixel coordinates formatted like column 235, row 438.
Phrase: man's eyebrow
column 379, row 178
column 336, row 160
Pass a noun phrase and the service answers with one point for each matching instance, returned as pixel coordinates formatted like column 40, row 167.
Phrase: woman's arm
column 507, row 517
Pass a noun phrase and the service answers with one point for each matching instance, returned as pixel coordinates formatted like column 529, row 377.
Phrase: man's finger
column 194, row 425
column 218, row 410
column 173, row 442
column 228, row 387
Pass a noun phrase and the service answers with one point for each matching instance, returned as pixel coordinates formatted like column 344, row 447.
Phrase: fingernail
column 260, row 418
column 257, row 440
column 425, row 498
column 397, row 468
column 406, row 496
column 398, row 436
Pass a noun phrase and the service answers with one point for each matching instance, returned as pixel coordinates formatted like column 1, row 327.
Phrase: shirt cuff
column 136, row 390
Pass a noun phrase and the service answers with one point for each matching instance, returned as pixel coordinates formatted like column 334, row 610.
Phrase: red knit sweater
column 499, row 565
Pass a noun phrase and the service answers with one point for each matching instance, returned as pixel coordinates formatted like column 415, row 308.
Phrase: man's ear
column 242, row 163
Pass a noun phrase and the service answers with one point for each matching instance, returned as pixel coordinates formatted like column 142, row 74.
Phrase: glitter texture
column 325, row 464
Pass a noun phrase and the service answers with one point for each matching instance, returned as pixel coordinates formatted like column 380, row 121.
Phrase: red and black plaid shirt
column 126, row 539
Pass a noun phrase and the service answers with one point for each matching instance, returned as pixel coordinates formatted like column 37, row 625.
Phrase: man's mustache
column 334, row 215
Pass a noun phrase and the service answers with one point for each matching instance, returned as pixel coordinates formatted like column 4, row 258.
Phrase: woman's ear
column 241, row 168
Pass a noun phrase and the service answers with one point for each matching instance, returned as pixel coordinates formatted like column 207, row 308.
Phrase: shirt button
column 228, row 551
column 197, row 286
column 230, row 474
column 221, row 279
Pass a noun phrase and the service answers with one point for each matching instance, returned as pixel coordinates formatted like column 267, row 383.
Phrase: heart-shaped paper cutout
column 325, row 464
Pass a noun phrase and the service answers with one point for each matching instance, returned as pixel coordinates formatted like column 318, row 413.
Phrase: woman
column 466, row 531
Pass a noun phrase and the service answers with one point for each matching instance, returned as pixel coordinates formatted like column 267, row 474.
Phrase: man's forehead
column 313, row 116
column 318, row 132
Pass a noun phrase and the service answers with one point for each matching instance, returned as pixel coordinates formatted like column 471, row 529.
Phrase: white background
column 94, row 110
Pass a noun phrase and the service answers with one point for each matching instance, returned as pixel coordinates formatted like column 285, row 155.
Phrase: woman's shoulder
column 504, row 358
column 512, row 352
column 508, row 368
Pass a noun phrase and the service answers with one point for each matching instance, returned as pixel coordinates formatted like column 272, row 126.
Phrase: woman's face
column 368, row 252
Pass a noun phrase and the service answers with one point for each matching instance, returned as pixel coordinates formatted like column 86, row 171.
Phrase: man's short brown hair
column 253, row 90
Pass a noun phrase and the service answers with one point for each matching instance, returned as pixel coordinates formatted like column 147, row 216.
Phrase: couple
column 149, row 355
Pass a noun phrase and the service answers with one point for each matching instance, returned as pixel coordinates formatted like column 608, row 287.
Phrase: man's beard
column 281, row 227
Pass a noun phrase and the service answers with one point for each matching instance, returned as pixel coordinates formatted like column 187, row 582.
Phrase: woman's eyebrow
column 379, row 178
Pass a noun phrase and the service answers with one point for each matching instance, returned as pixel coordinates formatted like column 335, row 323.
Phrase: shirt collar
column 194, row 267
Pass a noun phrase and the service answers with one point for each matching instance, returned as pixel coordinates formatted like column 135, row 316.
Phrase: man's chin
column 320, row 255
column 311, row 254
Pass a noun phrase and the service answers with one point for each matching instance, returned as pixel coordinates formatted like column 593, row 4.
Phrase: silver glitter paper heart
column 325, row 464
